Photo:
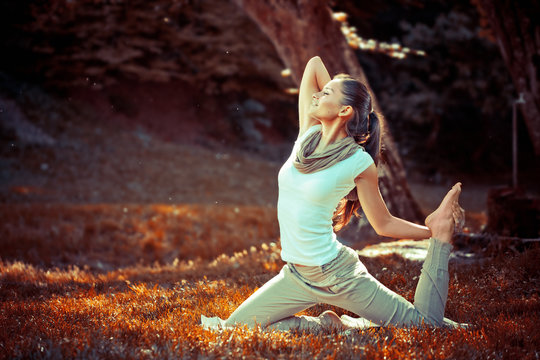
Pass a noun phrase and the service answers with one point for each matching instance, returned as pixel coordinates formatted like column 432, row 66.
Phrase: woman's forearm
column 322, row 77
column 403, row 229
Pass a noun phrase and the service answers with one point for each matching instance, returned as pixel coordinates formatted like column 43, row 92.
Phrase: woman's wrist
column 419, row 232
column 427, row 233
column 403, row 229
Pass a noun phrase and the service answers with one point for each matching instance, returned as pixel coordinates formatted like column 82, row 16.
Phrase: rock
column 14, row 121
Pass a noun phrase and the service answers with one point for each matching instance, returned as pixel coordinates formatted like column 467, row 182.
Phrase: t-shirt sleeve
column 362, row 160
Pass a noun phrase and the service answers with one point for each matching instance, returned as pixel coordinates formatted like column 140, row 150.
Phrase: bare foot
column 441, row 222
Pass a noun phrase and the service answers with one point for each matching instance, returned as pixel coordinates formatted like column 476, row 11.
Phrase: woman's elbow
column 315, row 59
column 380, row 231
column 383, row 227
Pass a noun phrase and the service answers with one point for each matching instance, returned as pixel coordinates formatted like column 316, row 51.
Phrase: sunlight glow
column 414, row 250
column 356, row 42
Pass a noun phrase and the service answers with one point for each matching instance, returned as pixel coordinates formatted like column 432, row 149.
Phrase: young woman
column 330, row 172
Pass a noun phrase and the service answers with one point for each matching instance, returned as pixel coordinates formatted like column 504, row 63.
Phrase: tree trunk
column 513, row 213
column 300, row 29
column 515, row 25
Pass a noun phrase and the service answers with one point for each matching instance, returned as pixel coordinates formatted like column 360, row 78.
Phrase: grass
column 131, row 281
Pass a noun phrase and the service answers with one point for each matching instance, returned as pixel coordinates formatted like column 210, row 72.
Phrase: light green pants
column 345, row 282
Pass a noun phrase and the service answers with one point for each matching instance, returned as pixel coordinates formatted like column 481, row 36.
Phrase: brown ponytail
column 364, row 127
column 344, row 212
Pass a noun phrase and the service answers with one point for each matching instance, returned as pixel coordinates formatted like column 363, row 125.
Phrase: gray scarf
column 308, row 162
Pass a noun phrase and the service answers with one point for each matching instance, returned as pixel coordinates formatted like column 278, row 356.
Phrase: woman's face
column 326, row 104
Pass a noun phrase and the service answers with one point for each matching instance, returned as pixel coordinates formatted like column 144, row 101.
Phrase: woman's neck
column 331, row 132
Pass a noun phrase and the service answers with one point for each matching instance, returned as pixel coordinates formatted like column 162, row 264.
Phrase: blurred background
column 188, row 101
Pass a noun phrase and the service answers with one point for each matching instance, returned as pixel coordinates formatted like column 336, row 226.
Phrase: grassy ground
column 114, row 281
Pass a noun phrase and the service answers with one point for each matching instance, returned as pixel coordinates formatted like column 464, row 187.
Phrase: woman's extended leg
column 281, row 297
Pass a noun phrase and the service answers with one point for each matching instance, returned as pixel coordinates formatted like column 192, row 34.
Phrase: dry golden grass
column 131, row 281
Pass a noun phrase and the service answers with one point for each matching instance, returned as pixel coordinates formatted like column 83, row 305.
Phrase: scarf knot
column 307, row 161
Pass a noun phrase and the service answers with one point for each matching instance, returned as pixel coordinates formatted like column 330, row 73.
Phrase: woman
column 334, row 158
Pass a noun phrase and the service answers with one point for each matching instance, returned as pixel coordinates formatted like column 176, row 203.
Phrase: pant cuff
column 438, row 254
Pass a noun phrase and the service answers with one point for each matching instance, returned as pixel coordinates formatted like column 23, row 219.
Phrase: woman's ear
column 346, row 111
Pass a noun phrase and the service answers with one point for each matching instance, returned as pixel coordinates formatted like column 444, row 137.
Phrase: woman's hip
column 345, row 265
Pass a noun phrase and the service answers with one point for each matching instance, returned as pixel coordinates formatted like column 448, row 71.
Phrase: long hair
column 364, row 127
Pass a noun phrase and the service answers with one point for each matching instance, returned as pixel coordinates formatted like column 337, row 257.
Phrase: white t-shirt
column 307, row 203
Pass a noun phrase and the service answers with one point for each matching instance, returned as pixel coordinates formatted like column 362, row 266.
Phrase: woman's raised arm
column 313, row 80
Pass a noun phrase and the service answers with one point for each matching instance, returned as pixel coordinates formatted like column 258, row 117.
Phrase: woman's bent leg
column 345, row 282
column 366, row 296
column 432, row 289
column 281, row 297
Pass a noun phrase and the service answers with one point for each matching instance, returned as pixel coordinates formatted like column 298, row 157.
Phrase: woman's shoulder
column 360, row 161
